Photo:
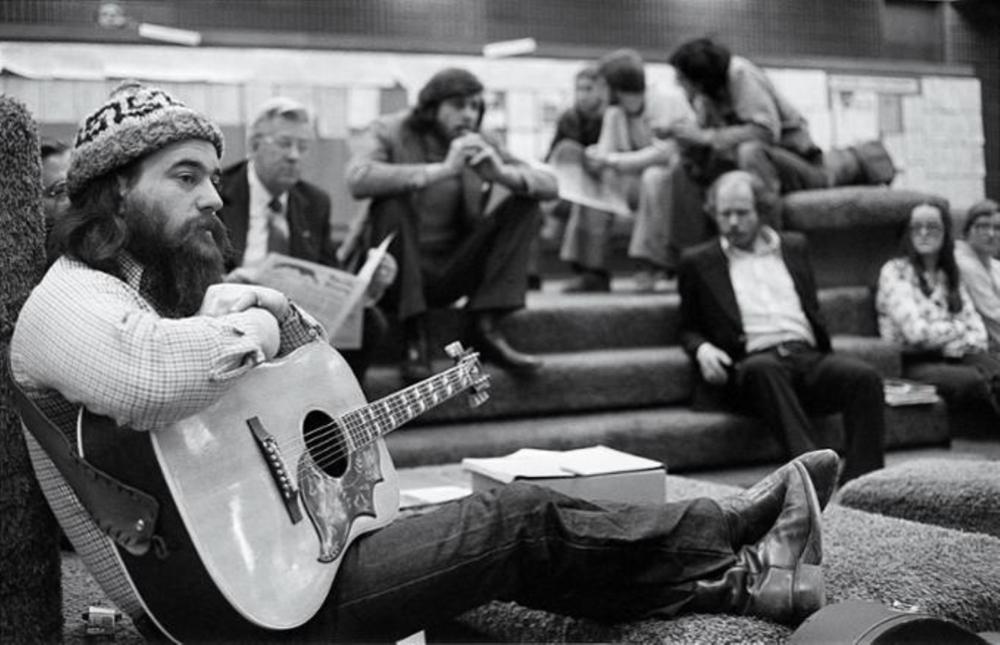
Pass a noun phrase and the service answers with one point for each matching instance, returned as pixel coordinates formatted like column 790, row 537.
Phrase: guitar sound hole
column 325, row 443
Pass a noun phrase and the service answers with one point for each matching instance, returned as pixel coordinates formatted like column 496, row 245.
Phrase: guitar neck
column 366, row 424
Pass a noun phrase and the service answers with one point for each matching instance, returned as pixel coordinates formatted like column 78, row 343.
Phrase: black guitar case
column 870, row 623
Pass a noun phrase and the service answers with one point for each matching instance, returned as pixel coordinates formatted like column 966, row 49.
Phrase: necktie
column 277, row 229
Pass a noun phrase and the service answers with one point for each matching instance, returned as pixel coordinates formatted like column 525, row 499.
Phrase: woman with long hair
column 923, row 306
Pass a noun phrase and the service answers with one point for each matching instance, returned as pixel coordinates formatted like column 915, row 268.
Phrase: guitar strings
column 454, row 382
column 355, row 433
column 356, row 427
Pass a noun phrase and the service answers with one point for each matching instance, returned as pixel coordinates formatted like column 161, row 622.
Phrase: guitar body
column 261, row 494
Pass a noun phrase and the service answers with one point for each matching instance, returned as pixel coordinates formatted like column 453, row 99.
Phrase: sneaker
column 589, row 282
column 645, row 280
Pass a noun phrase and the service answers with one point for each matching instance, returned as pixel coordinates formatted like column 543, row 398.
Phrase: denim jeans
column 530, row 545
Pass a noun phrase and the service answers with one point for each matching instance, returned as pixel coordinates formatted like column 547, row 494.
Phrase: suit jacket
column 709, row 311
column 308, row 214
column 390, row 159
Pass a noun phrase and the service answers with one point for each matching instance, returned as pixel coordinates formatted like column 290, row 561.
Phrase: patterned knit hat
column 136, row 121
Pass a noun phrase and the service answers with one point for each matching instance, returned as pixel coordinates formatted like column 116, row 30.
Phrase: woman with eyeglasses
column 923, row 306
column 977, row 256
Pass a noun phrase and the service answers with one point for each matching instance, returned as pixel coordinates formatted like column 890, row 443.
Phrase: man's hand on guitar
column 229, row 298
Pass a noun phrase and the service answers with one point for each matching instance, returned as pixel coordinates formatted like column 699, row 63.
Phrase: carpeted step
column 569, row 382
column 683, row 439
column 557, row 322
column 598, row 380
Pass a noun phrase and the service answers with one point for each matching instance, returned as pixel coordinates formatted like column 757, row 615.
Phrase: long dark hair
column 946, row 259
column 94, row 229
column 447, row 83
column 705, row 64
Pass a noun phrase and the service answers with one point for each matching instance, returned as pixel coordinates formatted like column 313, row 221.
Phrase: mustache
column 205, row 222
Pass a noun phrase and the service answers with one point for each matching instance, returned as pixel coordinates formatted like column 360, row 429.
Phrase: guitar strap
column 126, row 514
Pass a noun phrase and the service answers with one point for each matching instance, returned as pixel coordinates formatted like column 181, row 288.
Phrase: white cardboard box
column 594, row 473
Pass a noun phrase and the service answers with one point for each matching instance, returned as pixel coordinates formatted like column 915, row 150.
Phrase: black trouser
column 489, row 264
column 785, row 384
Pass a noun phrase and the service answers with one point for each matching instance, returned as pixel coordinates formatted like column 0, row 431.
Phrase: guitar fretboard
column 366, row 424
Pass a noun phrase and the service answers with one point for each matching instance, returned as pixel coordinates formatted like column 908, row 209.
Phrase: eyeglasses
column 986, row 227
column 926, row 228
column 56, row 190
column 287, row 143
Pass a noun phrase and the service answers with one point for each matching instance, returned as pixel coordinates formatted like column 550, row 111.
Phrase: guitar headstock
column 478, row 380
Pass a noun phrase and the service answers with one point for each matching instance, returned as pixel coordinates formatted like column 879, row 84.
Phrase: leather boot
column 779, row 578
column 416, row 365
column 491, row 343
column 752, row 512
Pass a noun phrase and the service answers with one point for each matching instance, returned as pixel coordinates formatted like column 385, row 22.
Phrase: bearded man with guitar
column 215, row 463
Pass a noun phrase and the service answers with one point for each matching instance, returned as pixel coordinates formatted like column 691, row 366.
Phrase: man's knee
column 758, row 369
column 750, row 155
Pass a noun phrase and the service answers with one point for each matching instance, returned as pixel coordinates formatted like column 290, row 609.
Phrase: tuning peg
column 478, row 398
column 454, row 350
column 480, row 384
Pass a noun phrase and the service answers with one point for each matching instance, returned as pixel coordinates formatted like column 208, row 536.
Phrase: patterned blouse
column 918, row 322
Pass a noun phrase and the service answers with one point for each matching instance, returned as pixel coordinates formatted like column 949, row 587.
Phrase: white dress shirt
column 260, row 214
column 769, row 305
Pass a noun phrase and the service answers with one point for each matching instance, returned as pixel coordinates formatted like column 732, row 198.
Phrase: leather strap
column 126, row 514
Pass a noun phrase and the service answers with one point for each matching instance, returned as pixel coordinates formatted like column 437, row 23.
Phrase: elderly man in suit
column 750, row 321
column 269, row 208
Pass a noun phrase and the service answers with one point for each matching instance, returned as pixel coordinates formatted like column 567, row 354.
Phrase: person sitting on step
column 751, row 323
column 924, row 308
column 630, row 156
column 267, row 207
column 978, row 258
column 464, row 212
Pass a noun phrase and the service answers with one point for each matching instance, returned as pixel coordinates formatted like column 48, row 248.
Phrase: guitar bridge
column 279, row 473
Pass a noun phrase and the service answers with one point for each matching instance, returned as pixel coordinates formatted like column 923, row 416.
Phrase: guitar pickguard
column 333, row 503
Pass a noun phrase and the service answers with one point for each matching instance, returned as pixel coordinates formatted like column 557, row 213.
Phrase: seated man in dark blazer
column 268, row 207
column 750, row 322
column 464, row 212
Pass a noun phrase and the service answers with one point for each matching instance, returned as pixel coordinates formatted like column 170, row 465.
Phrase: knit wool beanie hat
column 136, row 121
column 446, row 84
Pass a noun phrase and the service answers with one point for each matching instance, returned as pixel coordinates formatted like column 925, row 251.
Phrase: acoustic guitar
column 261, row 493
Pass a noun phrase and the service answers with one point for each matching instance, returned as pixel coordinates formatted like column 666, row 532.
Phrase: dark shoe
column 589, row 282
column 489, row 341
column 416, row 365
column 534, row 282
column 752, row 512
column 779, row 578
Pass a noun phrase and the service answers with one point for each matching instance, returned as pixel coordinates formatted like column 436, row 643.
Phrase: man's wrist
column 436, row 171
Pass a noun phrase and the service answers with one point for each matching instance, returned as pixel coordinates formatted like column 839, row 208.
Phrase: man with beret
column 431, row 174
column 152, row 337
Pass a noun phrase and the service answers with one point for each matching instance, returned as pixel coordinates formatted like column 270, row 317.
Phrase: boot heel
column 809, row 590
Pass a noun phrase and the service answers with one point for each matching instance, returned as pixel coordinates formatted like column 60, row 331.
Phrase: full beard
column 179, row 268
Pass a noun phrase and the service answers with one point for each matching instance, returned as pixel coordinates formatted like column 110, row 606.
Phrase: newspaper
column 579, row 186
column 333, row 296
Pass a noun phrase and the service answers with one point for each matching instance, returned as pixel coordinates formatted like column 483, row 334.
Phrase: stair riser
column 599, row 380
column 682, row 439
column 552, row 324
